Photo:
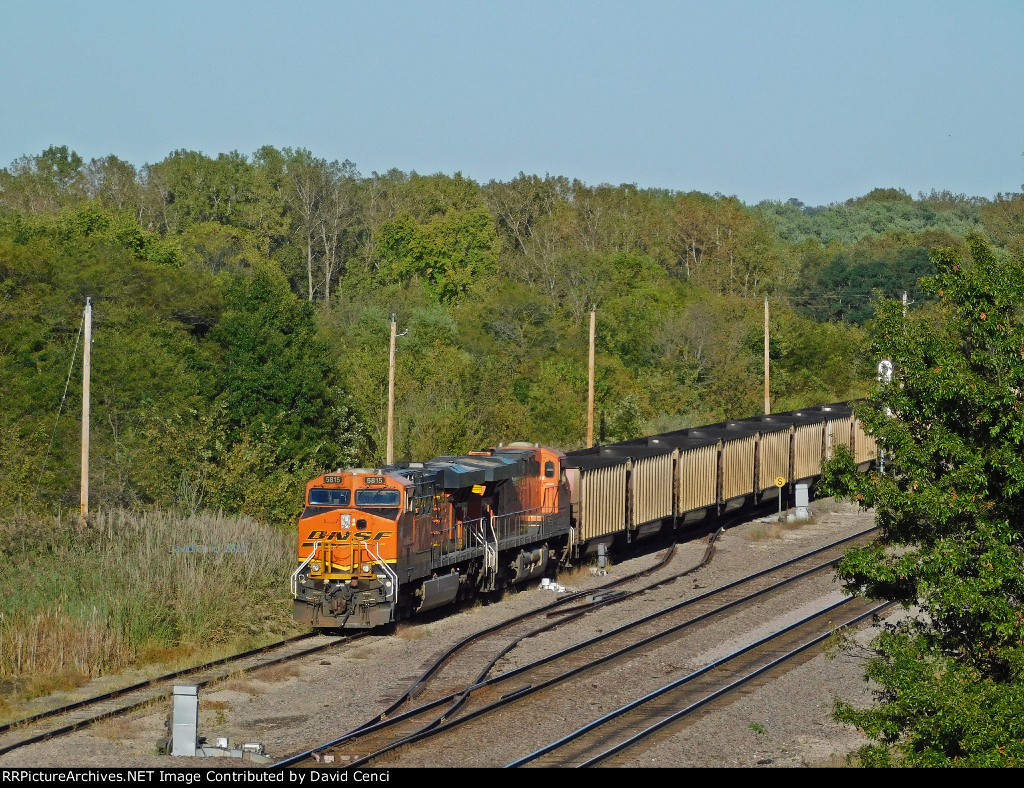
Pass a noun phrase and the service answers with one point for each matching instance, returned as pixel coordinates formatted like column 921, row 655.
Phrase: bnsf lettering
column 344, row 536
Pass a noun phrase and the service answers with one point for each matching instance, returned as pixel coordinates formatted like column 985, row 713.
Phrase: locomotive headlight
column 314, row 567
column 366, row 569
column 346, row 521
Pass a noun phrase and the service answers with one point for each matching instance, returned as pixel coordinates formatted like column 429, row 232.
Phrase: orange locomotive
column 378, row 545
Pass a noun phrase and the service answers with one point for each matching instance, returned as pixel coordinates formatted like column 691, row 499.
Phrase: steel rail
column 385, row 716
column 148, row 683
column 78, row 724
column 721, row 691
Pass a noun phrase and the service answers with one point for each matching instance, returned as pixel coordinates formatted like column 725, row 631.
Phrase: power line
column 63, row 399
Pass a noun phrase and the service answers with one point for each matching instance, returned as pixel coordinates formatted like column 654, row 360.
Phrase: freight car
column 379, row 545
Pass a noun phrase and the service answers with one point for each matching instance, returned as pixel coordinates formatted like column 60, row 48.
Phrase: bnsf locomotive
column 378, row 545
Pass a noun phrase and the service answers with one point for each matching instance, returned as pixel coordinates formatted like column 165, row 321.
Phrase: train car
column 619, row 490
column 597, row 495
column 734, row 460
column 377, row 545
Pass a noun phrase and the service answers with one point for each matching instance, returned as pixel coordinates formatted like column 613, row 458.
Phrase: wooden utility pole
column 590, row 383
column 767, row 389
column 86, row 372
column 391, row 392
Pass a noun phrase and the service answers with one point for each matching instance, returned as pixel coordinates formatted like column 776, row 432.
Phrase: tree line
column 242, row 306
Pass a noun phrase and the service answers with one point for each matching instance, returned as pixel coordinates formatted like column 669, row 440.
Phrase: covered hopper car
column 379, row 545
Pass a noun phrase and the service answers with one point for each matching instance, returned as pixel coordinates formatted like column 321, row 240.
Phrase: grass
column 115, row 729
column 48, row 683
column 778, row 530
column 219, row 708
column 76, row 603
column 243, row 684
column 275, row 673
column 411, row 631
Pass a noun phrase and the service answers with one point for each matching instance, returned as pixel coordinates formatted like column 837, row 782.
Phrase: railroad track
column 480, row 698
column 644, row 720
column 89, row 711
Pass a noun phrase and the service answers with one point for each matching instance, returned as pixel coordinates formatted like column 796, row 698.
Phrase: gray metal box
column 185, row 720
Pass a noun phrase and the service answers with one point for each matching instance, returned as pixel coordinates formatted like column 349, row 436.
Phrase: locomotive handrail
column 303, row 565
column 392, row 575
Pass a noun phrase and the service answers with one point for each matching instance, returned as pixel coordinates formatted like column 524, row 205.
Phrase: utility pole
column 86, row 372
column 590, row 383
column 767, row 389
column 391, row 392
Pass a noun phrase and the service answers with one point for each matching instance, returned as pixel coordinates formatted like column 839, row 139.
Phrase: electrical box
column 185, row 720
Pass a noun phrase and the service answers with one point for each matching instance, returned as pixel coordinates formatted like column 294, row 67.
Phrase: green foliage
column 843, row 288
column 951, row 513
column 723, row 247
column 936, row 710
column 878, row 212
column 285, row 408
column 142, row 342
column 1004, row 220
column 448, row 253
column 44, row 183
column 196, row 189
column 813, row 362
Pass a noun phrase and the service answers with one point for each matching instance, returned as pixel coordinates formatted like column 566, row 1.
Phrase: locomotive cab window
column 319, row 496
column 549, row 470
column 378, row 497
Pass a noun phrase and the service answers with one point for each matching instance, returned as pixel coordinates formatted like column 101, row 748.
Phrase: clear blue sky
column 820, row 100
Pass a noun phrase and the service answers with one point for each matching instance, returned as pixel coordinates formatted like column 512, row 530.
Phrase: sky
column 775, row 99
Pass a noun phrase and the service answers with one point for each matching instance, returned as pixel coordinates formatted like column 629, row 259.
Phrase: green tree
column 951, row 513
column 448, row 254
column 145, row 310
column 720, row 245
column 519, row 204
column 43, row 183
column 114, row 183
column 189, row 188
column 1004, row 219
column 275, row 372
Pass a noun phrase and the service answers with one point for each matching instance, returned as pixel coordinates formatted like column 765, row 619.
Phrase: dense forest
column 242, row 309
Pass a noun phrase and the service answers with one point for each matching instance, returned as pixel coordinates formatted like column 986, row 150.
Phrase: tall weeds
column 110, row 595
